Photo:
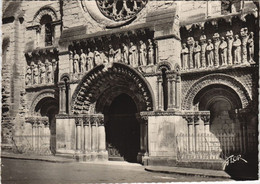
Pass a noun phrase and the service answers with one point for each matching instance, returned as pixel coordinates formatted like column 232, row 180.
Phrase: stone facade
column 154, row 82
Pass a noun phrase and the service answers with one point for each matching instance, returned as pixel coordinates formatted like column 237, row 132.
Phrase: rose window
column 120, row 10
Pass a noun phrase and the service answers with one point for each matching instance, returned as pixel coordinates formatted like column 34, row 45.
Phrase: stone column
column 178, row 91
column 94, row 138
column 62, row 99
column 34, row 127
column 103, row 154
column 160, row 94
column 171, row 95
column 156, row 52
column 78, row 134
column 190, row 123
column 206, row 119
column 87, row 133
column 196, row 132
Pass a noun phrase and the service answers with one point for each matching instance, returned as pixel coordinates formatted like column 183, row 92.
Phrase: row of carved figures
column 40, row 73
column 222, row 51
column 141, row 55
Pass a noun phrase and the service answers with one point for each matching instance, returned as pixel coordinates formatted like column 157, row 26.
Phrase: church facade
column 154, row 82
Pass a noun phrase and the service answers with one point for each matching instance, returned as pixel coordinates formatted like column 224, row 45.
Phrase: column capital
column 205, row 118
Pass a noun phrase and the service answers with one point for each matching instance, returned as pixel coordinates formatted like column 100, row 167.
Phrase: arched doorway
column 48, row 107
column 122, row 129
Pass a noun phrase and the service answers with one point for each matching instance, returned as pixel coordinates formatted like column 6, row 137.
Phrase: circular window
column 120, row 10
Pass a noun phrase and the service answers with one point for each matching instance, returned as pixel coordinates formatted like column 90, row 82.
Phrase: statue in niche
column 48, row 71
column 118, row 55
column 35, row 73
column 133, row 55
column 54, row 68
column 190, row 42
column 150, row 52
column 28, row 80
column 237, row 50
column 142, row 53
column 42, row 72
column 103, row 57
column 196, row 51
column 71, row 60
column 216, row 48
column 82, row 63
column 184, row 56
column 223, row 51
column 125, row 54
column 90, row 59
column 244, row 36
column 203, row 43
column 75, row 62
column 111, row 54
column 230, row 41
column 210, row 53
column 250, row 42
column 97, row 57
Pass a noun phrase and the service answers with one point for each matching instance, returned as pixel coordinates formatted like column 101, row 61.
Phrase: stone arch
column 216, row 79
column 46, row 10
column 41, row 96
column 65, row 76
column 106, row 77
column 164, row 65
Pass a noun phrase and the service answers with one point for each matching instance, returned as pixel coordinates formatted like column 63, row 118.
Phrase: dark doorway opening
column 122, row 129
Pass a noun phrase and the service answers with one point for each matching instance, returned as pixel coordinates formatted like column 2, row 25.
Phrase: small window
column 48, row 29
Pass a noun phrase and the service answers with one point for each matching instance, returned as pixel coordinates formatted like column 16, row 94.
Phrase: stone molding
column 89, row 120
column 90, row 87
column 210, row 79
column 37, row 120
column 46, row 10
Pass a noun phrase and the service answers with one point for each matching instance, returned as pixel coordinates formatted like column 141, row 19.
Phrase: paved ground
column 30, row 171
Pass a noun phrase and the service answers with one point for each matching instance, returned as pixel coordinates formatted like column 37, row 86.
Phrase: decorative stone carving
column 111, row 54
column 184, row 56
column 210, row 53
column 35, row 73
column 133, row 55
column 190, row 42
column 49, row 74
column 203, row 50
column 230, row 41
column 119, row 10
column 42, row 71
column 197, row 50
column 244, row 35
column 223, row 51
column 216, row 48
column 75, row 62
column 82, row 61
column 90, row 60
column 118, row 55
column 250, row 42
column 28, row 79
column 150, row 52
column 125, row 54
column 237, row 50
column 143, row 53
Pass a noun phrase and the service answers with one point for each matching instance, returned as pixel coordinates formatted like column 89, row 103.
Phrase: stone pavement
column 161, row 169
column 188, row 171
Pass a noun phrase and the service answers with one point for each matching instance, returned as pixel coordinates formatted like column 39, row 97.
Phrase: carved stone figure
column 82, row 63
column 118, row 55
column 75, row 62
column 28, row 80
column 184, row 56
column 90, row 60
column 190, row 42
column 35, row 73
column 230, row 41
column 142, row 53
column 48, row 66
column 42, row 71
column 103, row 57
column 216, row 48
column 196, row 51
column 223, row 51
column 203, row 50
column 250, row 42
column 54, row 68
column 97, row 57
column 125, row 53
column 71, row 60
column 133, row 55
column 210, row 53
column 244, row 36
column 237, row 50
column 150, row 52
column 111, row 54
